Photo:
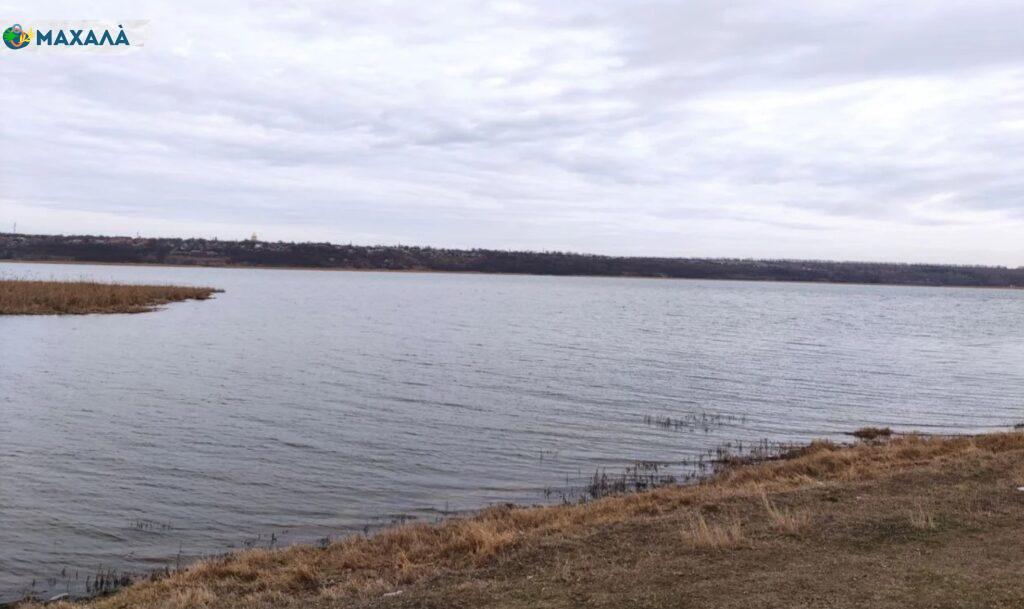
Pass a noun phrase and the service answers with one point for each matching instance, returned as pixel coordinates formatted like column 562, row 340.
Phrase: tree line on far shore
column 212, row 252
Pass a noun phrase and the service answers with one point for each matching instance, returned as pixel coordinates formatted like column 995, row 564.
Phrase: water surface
column 302, row 404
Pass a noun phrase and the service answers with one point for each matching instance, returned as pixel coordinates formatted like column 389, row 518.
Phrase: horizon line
column 525, row 251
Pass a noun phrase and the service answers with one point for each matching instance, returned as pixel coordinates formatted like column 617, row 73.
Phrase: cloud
column 822, row 130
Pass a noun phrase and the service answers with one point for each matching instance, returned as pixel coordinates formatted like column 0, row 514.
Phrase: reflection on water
column 300, row 404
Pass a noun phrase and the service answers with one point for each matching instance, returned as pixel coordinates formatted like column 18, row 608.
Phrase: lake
column 299, row 405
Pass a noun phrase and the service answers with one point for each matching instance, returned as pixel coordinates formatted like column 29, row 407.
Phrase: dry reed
column 28, row 297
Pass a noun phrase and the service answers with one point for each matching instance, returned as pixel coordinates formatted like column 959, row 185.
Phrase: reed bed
column 32, row 297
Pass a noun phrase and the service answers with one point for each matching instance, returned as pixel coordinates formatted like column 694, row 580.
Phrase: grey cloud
column 697, row 128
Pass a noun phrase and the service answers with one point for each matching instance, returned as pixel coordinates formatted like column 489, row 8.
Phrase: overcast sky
column 846, row 130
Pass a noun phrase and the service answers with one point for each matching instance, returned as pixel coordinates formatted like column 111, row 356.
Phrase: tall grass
column 704, row 535
column 922, row 519
column 29, row 297
column 784, row 520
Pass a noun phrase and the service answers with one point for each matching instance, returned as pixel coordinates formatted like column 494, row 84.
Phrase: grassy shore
column 908, row 521
column 22, row 297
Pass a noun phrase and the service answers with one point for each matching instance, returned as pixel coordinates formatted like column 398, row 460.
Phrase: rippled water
column 300, row 404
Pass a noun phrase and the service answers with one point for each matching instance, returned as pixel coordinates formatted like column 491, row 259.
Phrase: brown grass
column 700, row 534
column 865, row 550
column 920, row 518
column 22, row 297
column 785, row 520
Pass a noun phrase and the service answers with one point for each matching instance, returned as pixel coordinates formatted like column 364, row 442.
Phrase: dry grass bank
column 908, row 522
column 22, row 297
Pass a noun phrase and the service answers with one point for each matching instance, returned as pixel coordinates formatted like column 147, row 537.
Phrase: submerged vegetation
column 908, row 521
column 872, row 433
column 25, row 297
column 693, row 421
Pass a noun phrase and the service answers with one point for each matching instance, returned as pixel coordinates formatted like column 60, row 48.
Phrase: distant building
column 254, row 238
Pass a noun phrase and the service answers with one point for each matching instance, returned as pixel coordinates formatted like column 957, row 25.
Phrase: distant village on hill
column 255, row 253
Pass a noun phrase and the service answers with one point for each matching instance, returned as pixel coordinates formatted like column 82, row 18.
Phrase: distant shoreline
column 493, row 273
column 89, row 249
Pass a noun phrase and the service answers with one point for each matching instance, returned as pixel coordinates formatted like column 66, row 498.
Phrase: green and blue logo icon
column 15, row 37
